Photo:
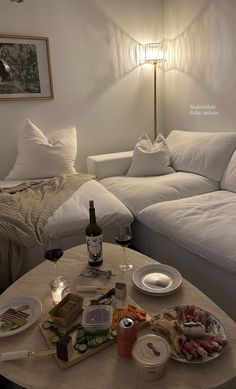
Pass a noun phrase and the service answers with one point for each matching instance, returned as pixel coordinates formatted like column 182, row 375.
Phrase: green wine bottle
column 93, row 239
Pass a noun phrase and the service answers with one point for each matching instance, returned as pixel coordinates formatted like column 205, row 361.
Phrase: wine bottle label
column 94, row 246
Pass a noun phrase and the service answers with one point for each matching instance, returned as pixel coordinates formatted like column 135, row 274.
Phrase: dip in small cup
column 151, row 353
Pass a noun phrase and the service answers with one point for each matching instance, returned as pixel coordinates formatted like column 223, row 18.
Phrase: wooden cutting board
column 76, row 356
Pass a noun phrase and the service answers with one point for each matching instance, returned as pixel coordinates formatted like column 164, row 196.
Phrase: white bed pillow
column 204, row 153
column 39, row 157
column 150, row 159
column 228, row 181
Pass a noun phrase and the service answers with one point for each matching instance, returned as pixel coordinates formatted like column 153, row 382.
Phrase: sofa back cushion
column 150, row 159
column 204, row 153
column 39, row 157
column 228, row 181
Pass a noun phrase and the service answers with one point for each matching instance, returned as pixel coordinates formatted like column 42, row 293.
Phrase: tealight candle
column 59, row 288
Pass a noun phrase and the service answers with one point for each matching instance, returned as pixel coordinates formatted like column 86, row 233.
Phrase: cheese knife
column 9, row 356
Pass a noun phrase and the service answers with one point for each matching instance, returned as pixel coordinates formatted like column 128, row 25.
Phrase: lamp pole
column 155, row 53
column 155, row 99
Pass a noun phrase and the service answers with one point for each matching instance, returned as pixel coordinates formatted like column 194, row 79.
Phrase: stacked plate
column 157, row 279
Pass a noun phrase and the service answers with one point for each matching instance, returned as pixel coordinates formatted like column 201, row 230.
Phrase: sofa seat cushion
column 205, row 153
column 138, row 193
column 204, row 225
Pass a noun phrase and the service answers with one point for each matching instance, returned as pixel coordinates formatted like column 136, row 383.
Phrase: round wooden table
column 106, row 370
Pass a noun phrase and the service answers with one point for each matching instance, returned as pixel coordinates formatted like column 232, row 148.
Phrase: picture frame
column 25, row 69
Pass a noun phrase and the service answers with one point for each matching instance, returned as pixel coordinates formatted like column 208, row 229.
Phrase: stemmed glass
column 51, row 250
column 123, row 238
column 59, row 284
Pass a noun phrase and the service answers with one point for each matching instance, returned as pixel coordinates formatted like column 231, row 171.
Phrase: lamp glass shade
column 155, row 52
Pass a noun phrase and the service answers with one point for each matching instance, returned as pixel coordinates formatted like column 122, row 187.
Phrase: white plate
column 34, row 310
column 215, row 328
column 157, row 279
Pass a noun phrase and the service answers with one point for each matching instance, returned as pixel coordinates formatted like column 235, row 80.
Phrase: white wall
column 97, row 85
column 200, row 72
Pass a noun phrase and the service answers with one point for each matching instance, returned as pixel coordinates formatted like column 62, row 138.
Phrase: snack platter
column 17, row 314
column 195, row 335
column 92, row 344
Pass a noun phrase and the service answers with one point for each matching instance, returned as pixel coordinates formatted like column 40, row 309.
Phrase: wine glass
column 59, row 285
column 123, row 238
column 52, row 251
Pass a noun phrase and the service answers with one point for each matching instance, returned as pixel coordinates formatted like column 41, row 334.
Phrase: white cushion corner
column 228, row 181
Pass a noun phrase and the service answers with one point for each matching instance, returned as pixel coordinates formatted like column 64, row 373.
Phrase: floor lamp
column 155, row 54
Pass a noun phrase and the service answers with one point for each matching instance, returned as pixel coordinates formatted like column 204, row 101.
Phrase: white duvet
column 72, row 216
column 204, row 224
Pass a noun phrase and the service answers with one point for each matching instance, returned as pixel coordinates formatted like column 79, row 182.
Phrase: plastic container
column 97, row 319
column 151, row 353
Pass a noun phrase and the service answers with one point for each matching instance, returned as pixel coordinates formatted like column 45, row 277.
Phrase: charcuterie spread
column 194, row 334
column 94, row 329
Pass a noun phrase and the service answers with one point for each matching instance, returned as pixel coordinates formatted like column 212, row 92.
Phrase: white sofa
column 187, row 218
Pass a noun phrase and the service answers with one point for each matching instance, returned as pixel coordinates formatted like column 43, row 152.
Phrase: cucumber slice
column 46, row 324
column 55, row 339
column 82, row 348
column 105, row 338
column 76, row 346
column 99, row 340
column 92, row 343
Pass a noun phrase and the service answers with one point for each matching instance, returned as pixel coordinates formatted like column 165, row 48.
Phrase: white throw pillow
column 228, row 181
column 39, row 157
column 204, row 153
column 150, row 159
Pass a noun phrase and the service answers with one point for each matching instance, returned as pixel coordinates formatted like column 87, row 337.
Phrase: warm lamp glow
column 155, row 52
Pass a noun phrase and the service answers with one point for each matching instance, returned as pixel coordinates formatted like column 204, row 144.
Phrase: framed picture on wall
column 25, row 70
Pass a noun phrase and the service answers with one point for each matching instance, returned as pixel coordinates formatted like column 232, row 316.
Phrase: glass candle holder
column 59, row 288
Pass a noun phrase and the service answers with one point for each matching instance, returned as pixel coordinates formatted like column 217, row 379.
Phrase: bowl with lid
column 151, row 354
column 97, row 319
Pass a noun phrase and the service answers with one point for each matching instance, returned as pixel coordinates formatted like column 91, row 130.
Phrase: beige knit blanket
column 24, row 211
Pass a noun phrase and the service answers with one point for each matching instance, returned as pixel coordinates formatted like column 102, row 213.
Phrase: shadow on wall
column 101, row 53
column 205, row 49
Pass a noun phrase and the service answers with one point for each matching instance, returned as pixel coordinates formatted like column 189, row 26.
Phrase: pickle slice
column 22, row 308
column 21, row 321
